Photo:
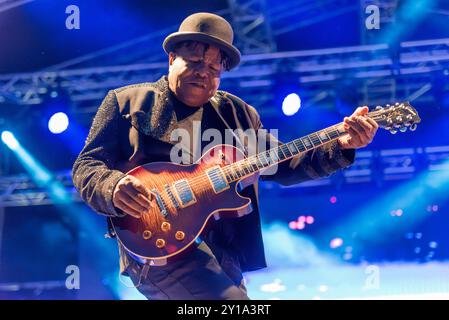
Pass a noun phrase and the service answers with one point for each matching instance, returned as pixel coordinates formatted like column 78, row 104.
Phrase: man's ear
column 171, row 58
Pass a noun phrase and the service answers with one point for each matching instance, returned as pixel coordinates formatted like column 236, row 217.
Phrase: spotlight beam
column 373, row 220
column 89, row 223
column 40, row 175
column 10, row 4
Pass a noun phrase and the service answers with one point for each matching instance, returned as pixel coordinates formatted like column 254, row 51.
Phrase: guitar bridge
column 171, row 196
column 159, row 202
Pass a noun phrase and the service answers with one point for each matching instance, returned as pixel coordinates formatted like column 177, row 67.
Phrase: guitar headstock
column 400, row 116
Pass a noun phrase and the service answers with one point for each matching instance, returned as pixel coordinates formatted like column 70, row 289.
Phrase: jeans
column 197, row 276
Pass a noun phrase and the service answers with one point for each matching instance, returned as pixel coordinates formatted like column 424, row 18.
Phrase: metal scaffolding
column 370, row 68
column 374, row 74
column 10, row 4
column 387, row 18
column 377, row 167
column 252, row 32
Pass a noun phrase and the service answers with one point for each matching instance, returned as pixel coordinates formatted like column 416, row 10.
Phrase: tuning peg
column 396, row 104
column 378, row 108
column 403, row 129
column 393, row 131
column 413, row 127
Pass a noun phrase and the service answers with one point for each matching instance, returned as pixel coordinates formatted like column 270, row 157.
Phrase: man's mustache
column 198, row 82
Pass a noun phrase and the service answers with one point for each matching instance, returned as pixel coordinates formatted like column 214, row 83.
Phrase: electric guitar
column 187, row 196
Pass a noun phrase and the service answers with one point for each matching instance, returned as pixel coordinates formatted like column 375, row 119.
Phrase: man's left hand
column 360, row 128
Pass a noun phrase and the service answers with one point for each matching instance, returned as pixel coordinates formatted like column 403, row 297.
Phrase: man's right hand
column 132, row 197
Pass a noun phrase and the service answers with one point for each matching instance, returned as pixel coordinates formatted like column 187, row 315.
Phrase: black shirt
column 218, row 234
column 195, row 121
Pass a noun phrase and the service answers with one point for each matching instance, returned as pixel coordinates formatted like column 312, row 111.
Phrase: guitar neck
column 286, row 151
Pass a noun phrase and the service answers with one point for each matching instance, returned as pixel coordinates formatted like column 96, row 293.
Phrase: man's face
column 194, row 73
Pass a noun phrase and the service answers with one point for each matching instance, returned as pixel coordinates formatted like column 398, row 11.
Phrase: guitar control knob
column 165, row 226
column 147, row 234
column 179, row 235
column 160, row 243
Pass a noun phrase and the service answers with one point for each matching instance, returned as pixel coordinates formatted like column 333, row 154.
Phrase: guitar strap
column 143, row 274
column 217, row 102
column 110, row 234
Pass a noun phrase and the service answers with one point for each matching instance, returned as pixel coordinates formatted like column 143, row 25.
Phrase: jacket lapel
column 157, row 117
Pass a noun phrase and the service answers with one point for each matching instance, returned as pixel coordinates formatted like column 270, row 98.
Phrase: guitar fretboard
column 286, row 151
column 252, row 164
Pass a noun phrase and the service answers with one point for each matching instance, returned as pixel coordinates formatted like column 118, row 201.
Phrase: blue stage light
column 291, row 104
column 9, row 139
column 58, row 123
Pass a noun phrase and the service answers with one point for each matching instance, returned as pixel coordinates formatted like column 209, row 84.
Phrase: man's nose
column 201, row 70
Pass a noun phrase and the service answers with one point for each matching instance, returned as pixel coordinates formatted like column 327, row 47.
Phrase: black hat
column 208, row 28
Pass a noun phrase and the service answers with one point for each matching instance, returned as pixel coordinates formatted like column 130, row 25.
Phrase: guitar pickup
column 217, row 179
column 184, row 192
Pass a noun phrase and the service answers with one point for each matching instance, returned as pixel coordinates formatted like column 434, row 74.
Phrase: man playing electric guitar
column 134, row 126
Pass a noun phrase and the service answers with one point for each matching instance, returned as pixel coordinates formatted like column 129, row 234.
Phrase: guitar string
column 203, row 178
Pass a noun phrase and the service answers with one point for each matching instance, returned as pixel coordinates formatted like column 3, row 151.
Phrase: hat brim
column 232, row 52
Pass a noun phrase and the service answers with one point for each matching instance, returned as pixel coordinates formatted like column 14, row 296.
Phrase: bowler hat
column 208, row 28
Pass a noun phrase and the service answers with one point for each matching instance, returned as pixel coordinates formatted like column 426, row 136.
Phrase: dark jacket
column 130, row 129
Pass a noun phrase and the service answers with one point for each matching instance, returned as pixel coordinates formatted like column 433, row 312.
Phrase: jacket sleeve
column 314, row 164
column 93, row 174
